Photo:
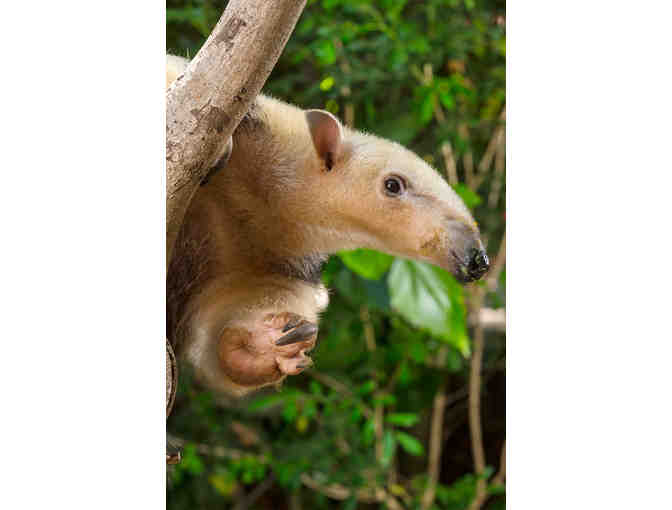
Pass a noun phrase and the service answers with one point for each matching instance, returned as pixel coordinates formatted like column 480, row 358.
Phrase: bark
column 171, row 377
column 206, row 103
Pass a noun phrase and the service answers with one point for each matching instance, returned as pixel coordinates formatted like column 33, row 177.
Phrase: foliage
column 429, row 75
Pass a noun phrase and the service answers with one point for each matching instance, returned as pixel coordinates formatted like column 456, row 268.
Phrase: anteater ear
column 327, row 134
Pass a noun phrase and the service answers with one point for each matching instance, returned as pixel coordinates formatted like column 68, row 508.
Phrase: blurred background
column 405, row 406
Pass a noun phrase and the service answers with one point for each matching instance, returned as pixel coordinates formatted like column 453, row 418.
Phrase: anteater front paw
column 265, row 351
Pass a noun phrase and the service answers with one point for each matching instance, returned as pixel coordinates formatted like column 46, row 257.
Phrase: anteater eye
column 394, row 186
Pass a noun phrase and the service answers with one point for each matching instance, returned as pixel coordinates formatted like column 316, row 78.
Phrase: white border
column 589, row 342
column 82, row 267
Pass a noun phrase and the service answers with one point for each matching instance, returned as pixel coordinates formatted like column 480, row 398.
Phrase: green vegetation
column 430, row 75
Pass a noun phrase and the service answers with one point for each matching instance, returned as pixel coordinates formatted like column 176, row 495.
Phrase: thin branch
column 499, row 478
column 378, row 428
column 492, row 318
column 451, row 166
column 215, row 451
column 295, row 500
column 498, row 176
column 488, row 157
column 369, row 333
column 475, row 429
column 468, row 157
column 435, row 438
column 349, row 112
column 392, row 380
column 492, row 279
column 250, row 499
column 363, row 495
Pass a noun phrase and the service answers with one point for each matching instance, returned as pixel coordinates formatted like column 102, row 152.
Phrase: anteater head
column 374, row 193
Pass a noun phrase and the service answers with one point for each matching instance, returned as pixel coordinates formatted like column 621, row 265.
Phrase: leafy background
column 410, row 368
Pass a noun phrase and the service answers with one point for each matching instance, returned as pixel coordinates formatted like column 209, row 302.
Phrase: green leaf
column 389, row 447
column 427, row 107
column 327, row 83
column 366, row 388
column 224, row 483
column 191, row 462
column 409, row 443
column 385, row 399
column 471, row 198
column 310, row 408
column 368, row 431
column 369, row 264
column 496, row 490
column 447, row 100
column 405, row 374
column 402, row 419
column 290, row 412
column 193, row 15
column 402, row 128
column 429, row 298
column 332, row 106
column 459, row 494
column 351, row 503
column 315, row 388
column 261, row 403
column 417, row 349
column 361, row 291
column 325, row 52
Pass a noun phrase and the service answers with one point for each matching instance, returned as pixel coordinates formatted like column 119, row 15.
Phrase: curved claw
column 300, row 334
column 292, row 324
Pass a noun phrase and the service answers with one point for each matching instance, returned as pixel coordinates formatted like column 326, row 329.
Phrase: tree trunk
column 206, row 103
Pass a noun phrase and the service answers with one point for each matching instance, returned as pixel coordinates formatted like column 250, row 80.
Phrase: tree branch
column 206, row 103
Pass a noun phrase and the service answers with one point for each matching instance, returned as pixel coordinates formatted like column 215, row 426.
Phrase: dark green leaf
column 389, row 447
column 261, row 403
column 470, row 198
column 409, row 443
column 429, row 298
column 402, row 419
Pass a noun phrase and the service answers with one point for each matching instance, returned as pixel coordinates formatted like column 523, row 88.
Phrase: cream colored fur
column 175, row 66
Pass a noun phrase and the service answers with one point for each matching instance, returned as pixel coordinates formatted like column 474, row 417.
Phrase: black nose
column 478, row 263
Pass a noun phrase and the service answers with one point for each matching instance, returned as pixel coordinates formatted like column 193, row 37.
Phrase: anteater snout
column 478, row 264
column 469, row 259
